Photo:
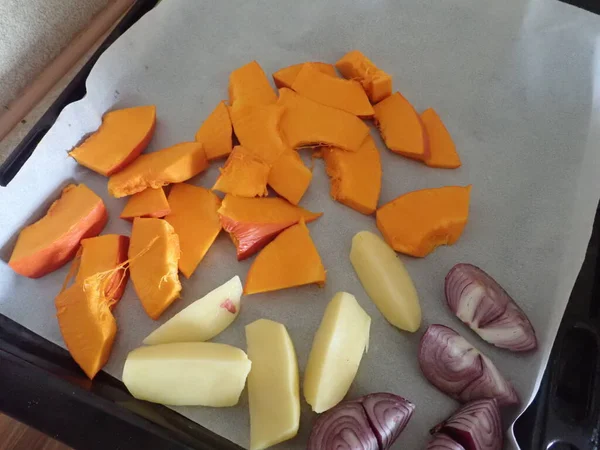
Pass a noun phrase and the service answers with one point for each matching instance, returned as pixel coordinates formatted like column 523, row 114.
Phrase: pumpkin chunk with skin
column 153, row 170
column 285, row 77
column 101, row 254
column 401, row 127
column 215, row 133
column 308, row 123
column 254, row 222
column 289, row 177
column 356, row 66
column 154, row 257
column 195, row 220
column 347, row 95
column 148, row 203
column 417, row 222
column 52, row 241
column 243, row 174
column 249, row 85
column 290, row 260
column 442, row 152
column 355, row 176
column 123, row 135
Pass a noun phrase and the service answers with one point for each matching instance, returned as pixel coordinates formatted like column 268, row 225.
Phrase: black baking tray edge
column 44, row 388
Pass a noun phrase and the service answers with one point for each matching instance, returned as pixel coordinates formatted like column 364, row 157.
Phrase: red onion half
column 372, row 422
column 442, row 441
column 459, row 370
column 481, row 303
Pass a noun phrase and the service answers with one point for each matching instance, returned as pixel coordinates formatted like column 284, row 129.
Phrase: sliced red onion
column 442, row 441
column 459, row 370
column 481, row 303
column 475, row 426
column 388, row 415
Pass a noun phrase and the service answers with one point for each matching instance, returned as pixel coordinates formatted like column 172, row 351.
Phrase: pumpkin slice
column 153, row 170
column 123, row 135
column 442, row 152
column 355, row 176
column 215, row 133
column 243, row 174
column 289, row 177
column 249, row 85
column 418, row 222
column 148, row 203
column 52, row 241
column 285, row 77
column 254, row 222
column 154, row 257
column 308, row 123
column 347, row 95
column 290, row 260
column 356, row 66
column 195, row 220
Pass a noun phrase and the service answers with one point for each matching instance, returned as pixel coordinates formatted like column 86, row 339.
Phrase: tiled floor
column 17, row 436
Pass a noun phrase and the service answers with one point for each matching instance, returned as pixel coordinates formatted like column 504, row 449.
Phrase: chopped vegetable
column 388, row 415
column 356, row 66
column 480, row 302
column 148, row 203
column 442, row 152
column 442, row 441
column 459, row 370
column 289, row 177
column 215, row 133
column 243, row 175
column 285, row 77
column 249, row 85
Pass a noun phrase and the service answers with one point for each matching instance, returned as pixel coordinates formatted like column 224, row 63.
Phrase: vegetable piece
column 123, row 135
column 401, row 127
column 388, row 416
column 355, row 176
column 195, row 220
column 442, row 151
column 289, row 177
column 215, row 133
column 285, row 77
column 347, row 95
column 386, row 281
column 102, row 254
column 356, row 66
column 203, row 319
column 475, row 426
column 52, row 241
column 417, row 222
column 153, row 170
column 154, row 255
column 337, row 349
column 442, row 441
column 307, row 123
column 273, row 386
column 254, row 222
column 458, row 369
column 148, row 203
column 480, row 302
column 243, row 175
column 249, row 85
column 290, row 260
column 187, row 373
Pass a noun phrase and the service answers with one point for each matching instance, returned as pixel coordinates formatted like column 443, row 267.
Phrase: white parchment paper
column 517, row 84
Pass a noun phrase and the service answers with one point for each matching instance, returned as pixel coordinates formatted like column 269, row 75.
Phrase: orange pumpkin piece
column 347, row 95
column 442, row 151
column 289, row 177
column 153, row 170
column 401, row 127
column 123, row 135
column 148, row 203
column 285, row 77
column 355, row 176
column 290, row 260
column 418, row 222
column 308, row 123
column 154, row 257
column 243, row 174
column 102, row 254
column 52, row 241
column 356, row 66
column 195, row 220
column 249, row 85
column 254, row 222
column 215, row 133
column 86, row 324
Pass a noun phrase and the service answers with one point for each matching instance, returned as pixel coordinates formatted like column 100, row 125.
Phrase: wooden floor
column 17, row 436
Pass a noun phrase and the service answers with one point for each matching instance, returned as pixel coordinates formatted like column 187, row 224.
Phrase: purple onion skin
column 458, row 369
column 442, row 441
column 388, row 415
column 481, row 303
